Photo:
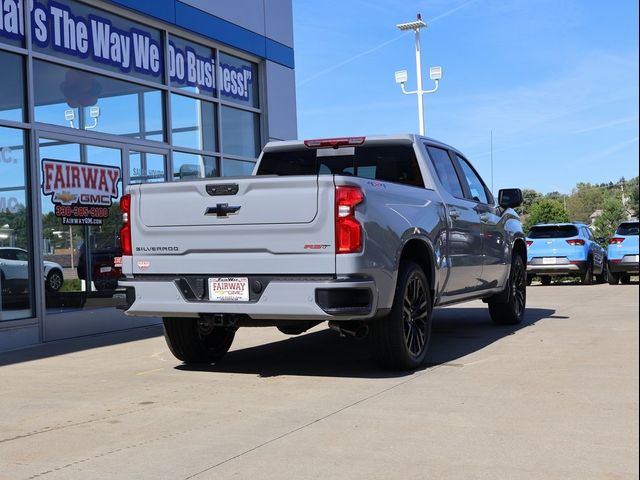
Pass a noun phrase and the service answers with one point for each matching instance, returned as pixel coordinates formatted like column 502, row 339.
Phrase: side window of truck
column 446, row 171
column 392, row 164
column 476, row 186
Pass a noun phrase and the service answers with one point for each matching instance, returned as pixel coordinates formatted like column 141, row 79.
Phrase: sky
column 554, row 82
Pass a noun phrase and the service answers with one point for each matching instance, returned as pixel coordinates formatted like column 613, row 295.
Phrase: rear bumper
column 623, row 267
column 571, row 268
column 279, row 298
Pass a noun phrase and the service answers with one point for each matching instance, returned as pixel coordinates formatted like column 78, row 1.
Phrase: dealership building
column 99, row 95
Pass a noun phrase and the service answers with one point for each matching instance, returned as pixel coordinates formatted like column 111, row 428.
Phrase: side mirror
column 510, row 197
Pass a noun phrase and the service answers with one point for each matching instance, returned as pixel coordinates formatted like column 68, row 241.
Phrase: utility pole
column 492, row 161
column 435, row 73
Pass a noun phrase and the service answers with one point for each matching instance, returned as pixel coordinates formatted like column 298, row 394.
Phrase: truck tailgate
column 233, row 226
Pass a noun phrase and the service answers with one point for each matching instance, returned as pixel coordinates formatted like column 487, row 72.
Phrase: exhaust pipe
column 350, row 329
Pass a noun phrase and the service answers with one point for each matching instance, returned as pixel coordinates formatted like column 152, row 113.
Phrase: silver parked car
column 14, row 271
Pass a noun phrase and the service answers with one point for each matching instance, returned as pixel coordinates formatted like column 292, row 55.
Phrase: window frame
column 453, row 164
column 457, row 157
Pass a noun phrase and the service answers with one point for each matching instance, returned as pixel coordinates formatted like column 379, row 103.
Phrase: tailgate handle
column 222, row 189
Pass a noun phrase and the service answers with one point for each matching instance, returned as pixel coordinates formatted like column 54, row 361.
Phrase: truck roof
column 407, row 138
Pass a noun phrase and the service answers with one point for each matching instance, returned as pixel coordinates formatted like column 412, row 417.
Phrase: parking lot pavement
column 554, row 398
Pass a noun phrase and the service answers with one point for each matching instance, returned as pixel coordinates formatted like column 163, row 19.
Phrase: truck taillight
column 348, row 230
column 576, row 242
column 125, row 230
column 616, row 241
column 334, row 142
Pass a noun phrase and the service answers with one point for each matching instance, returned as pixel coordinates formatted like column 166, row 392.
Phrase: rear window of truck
column 626, row 229
column 553, row 231
column 397, row 164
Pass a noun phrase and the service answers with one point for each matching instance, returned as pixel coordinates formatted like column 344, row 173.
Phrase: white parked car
column 14, row 271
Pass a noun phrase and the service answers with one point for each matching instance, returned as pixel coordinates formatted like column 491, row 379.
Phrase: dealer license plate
column 105, row 269
column 229, row 289
column 549, row 260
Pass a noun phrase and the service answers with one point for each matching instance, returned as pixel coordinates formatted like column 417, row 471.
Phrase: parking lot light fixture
column 435, row 73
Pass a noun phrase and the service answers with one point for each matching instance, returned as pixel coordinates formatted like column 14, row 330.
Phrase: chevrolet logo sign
column 222, row 210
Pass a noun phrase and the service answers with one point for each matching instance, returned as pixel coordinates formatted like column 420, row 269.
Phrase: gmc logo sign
column 95, row 199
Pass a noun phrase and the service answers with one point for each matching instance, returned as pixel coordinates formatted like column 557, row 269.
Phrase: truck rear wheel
column 194, row 341
column 508, row 308
column 401, row 339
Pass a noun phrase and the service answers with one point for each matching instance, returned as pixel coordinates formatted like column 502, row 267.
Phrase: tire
column 509, row 307
column 625, row 279
column 529, row 280
column 54, row 281
column 4, row 288
column 587, row 276
column 192, row 343
column 400, row 340
column 612, row 278
column 546, row 280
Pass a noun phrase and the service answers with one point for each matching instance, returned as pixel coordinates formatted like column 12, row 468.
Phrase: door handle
column 454, row 214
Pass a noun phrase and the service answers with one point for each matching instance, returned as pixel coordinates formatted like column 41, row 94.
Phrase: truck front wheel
column 401, row 339
column 193, row 340
column 508, row 307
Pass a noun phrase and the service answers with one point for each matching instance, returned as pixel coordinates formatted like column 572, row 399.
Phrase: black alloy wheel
column 508, row 308
column 415, row 314
column 400, row 340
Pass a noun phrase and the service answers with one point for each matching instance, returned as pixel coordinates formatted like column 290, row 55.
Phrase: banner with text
column 69, row 29
column 82, row 193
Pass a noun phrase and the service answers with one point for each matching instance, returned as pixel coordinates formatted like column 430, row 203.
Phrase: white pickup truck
column 368, row 234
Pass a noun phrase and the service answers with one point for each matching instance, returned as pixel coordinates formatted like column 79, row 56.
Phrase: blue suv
column 564, row 249
column 622, row 253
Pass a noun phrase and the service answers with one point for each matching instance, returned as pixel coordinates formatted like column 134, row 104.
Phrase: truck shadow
column 457, row 332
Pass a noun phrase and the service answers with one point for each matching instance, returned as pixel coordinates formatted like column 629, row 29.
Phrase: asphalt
column 553, row 398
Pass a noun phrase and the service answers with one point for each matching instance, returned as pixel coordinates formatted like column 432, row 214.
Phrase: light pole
column 435, row 73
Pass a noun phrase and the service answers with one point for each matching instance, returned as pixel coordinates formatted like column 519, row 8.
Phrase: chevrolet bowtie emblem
column 222, row 210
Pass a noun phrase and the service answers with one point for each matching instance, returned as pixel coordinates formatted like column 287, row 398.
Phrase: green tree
column 584, row 200
column 529, row 198
column 546, row 210
column 612, row 214
column 631, row 191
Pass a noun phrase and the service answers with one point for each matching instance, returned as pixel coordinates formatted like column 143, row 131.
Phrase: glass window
column 79, row 32
column 236, row 168
column 476, row 187
column 81, row 186
column 12, row 87
column 189, row 166
column 238, row 80
column 15, row 265
column 629, row 228
column 146, row 167
column 395, row 164
column 87, row 101
column 12, row 23
column 191, row 67
column 446, row 171
column 553, row 231
column 193, row 123
column 240, row 132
